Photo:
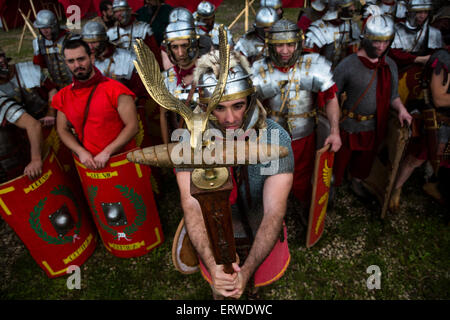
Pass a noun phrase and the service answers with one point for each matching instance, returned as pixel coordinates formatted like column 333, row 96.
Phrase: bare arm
column 275, row 195
column 332, row 109
column 128, row 115
column 439, row 90
column 223, row 283
column 403, row 114
column 72, row 143
column 34, row 169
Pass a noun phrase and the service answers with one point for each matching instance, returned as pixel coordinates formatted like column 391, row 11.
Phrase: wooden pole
column 33, row 8
column 246, row 16
column 5, row 26
column 23, row 33
column 239, row 16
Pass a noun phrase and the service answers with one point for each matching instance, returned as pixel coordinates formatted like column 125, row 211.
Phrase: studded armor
column 214, row 34
column 125, row 37
column 289, row 95
column 178, row 91
column 54, row 59
column 22, row 88
column 332, row 40
column 118, row 66
column 417, row 40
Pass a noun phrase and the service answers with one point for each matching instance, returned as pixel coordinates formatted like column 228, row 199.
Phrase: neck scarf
column 181, row 73
column 97, row 78
column 383, row 93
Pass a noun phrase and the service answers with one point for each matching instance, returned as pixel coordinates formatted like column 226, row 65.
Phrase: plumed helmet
column 205, row 10
column 238, row 85
column 265, row 17
column 284, row 31
column 45, row 19
column 378, row 26
column 94, row 31
column 271, row 3
column 181, row 14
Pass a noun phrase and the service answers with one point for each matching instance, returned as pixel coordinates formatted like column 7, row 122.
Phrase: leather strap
column 353, row 108
column 86, row 111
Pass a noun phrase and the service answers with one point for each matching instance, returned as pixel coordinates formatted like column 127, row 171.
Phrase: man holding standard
column 258, row 201
column 100, row 110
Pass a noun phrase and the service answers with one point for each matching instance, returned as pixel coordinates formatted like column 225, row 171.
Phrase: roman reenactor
column 258, row 201
column 312, row 13
column 253, row 44
column 106, row 17
column 277, row 5
column 369, row 96
column 127, row 30
column 205, row 23
column 156, row 14
column 294, row 87
column 25, row 83
column 183, row 48
column 47, row 48
column 433, row 144
column 98, row 121
column 336, row 34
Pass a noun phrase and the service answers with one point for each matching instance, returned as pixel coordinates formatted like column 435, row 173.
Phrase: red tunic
column 103, row 124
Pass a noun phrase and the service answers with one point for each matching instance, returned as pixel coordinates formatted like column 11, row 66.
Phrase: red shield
column 321, row 187
column 409, row 83
column 121, row 200
column 53, row 221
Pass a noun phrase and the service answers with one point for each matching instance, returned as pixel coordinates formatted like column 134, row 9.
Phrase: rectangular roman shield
column 50, row 217
column 121, row 200
column 323, row 170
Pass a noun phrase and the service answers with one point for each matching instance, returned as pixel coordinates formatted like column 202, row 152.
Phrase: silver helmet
column 47, row 19
column 205, row 10
column 181, row 30
column 284, row 31
column 238, row 85
column 181, row 14
column 265, row 17
column 378, row 27
column 94, row 32
column 319, row 5
column 276, row 4
column 415, row 6
column 122, row 5
column 346, row 9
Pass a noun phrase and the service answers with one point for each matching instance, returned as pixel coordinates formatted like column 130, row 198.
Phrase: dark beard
column 369, row 48
column 84, row 76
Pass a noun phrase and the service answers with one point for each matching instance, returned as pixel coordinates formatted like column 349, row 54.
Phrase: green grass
column 411, row 247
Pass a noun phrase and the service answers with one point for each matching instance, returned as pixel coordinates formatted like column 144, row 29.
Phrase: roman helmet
column 378, row 27
column 95, row 32
column 122, row 5
column 346, row 9
column 238, row 85
column 284, row 31
column 415, row 6
column 47, row 19
column 265, row 18
column 275, row 4
column 182, row 30
column 181, row 14
column 205, row 10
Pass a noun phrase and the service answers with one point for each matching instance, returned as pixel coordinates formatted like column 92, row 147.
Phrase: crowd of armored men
column 327, row 28
column 347, row 66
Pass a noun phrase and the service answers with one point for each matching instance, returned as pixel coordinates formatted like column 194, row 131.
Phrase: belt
column 357, row 117
column 308, row 114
